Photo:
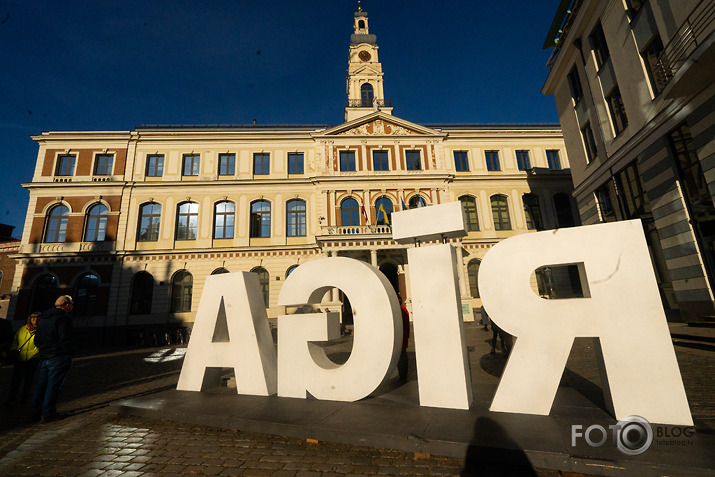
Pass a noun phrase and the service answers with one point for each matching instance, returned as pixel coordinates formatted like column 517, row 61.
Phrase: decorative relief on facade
column 378, row 127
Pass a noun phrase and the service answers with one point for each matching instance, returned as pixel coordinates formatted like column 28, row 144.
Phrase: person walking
column 25, row 359
column 53, row 338
column 402, row 362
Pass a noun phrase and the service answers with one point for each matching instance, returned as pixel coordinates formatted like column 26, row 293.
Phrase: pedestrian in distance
column 402, row 362
column 484, row 318
column 54, row 340
column 25, row 359
column 504, row 337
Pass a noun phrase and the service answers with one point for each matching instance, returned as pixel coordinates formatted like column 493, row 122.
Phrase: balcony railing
column 358, row 230
column 364, row 103
column 690, row 35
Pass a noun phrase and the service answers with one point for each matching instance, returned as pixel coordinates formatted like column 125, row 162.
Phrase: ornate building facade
column 132, row 222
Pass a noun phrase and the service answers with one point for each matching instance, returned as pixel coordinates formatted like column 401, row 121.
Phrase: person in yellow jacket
column 26, row 359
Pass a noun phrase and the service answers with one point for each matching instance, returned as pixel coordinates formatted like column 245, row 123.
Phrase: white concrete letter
column 231, row 331
column 303, row 366
column 622, row 308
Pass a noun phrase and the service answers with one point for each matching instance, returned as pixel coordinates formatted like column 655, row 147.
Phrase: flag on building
column 364, row 214
column 404, row 207
column 384, row 214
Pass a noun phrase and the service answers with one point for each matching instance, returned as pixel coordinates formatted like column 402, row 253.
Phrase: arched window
column 564, row 212
column 187, row 221
column 219, row 271
column 44, row 292
column 142, row 294
column 349, row 212
column 473, row 273
column 361, row 24
column 224, row 218
column 149, row 220
column 500, row 212
column 469, row 205
column 85, row 297
column 416, row 201
column 264, row 280
column 56, row 224
column 366, row 95
column 290, row 270
column 96, row 223
column 383, row 211
column 182, row 287
column 295, row 218
column 260, row 218
column 532, row 212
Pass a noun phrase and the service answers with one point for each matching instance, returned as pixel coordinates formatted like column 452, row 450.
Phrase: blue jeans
column 52, row 373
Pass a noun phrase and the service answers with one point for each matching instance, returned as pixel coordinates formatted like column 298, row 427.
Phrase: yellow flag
column 382, row 209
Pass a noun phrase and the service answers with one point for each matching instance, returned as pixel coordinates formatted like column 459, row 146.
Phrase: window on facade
column 692, row 179
column 383, row 211
column 142, row 294
column 598, row 45
column 492, row 158
column 96, row 224
column 416, row 201
column 523, row 162
column 85, row 297
column 261, row 164
column 260, row 219
column 224, row 219
column 44, row 292
column 532, row 212
column 366, row 95
column 380, row 161
column 553, row 159
column 657, row 75
column 219, row 271
column 347, row 161
column 290, row 270
column 575, row 85
column 65, row 165
column 264, row 280
column 635, row 199
column 604, row 200
column 564, row 212
column 295, row 163
column 226, row 164
column 103, row 164
column 617, row 110
column 56, row 226
column 500, row 212
column 155, row 165
column 182, row 287
column 589, row 142
column 295, row 218
column 473, row 275
column 413, row 162
column 469, row 205
column 461, row 163
column 190, row 166
column 187, row 221
column 349, row 212
column 149, row 220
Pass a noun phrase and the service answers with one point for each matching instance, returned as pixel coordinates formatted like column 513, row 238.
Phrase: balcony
column 365, row 103
column 357, row 230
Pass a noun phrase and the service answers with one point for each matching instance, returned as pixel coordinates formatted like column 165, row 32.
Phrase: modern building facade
column 633, row 84
column 132, row 222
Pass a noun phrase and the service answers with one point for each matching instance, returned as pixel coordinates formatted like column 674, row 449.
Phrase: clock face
column 364, row 55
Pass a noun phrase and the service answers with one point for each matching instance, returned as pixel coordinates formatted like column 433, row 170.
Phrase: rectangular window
column 553, row 159
column 347, row 161
column 598, row 45
column 380, row 161
column 589, row 143
column 190, row 165
column 461, row 163
column 492, row 158
column 617, row 110
column 226, row 164
column 635, row 201
column 295, row 163
column 575, row 85
column 155, row 165
column 523, row 162
column 65, row 165
column 103, row 164
column 413, row 160
column 657, row 75
column 605, row 198
column 261, row 164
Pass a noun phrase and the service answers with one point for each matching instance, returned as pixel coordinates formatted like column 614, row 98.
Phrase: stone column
column 373, row 257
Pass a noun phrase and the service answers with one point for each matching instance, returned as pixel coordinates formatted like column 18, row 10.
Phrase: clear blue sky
column 116, row 65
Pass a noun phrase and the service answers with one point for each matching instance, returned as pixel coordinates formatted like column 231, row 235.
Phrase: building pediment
column 381, row 124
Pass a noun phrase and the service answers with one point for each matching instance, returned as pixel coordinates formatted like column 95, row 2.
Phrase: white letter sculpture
column 220, row 340
column 442, row 366
column 622, row 308
column 303, row 366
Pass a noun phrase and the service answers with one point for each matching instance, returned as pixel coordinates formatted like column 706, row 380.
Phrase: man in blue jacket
column 54, row 340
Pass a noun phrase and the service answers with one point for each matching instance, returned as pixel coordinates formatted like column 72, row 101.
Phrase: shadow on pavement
column 491, row 447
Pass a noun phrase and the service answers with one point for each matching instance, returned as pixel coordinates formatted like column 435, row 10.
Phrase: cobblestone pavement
column 94, row 441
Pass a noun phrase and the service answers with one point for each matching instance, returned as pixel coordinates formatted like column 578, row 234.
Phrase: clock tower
column 364, row 85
